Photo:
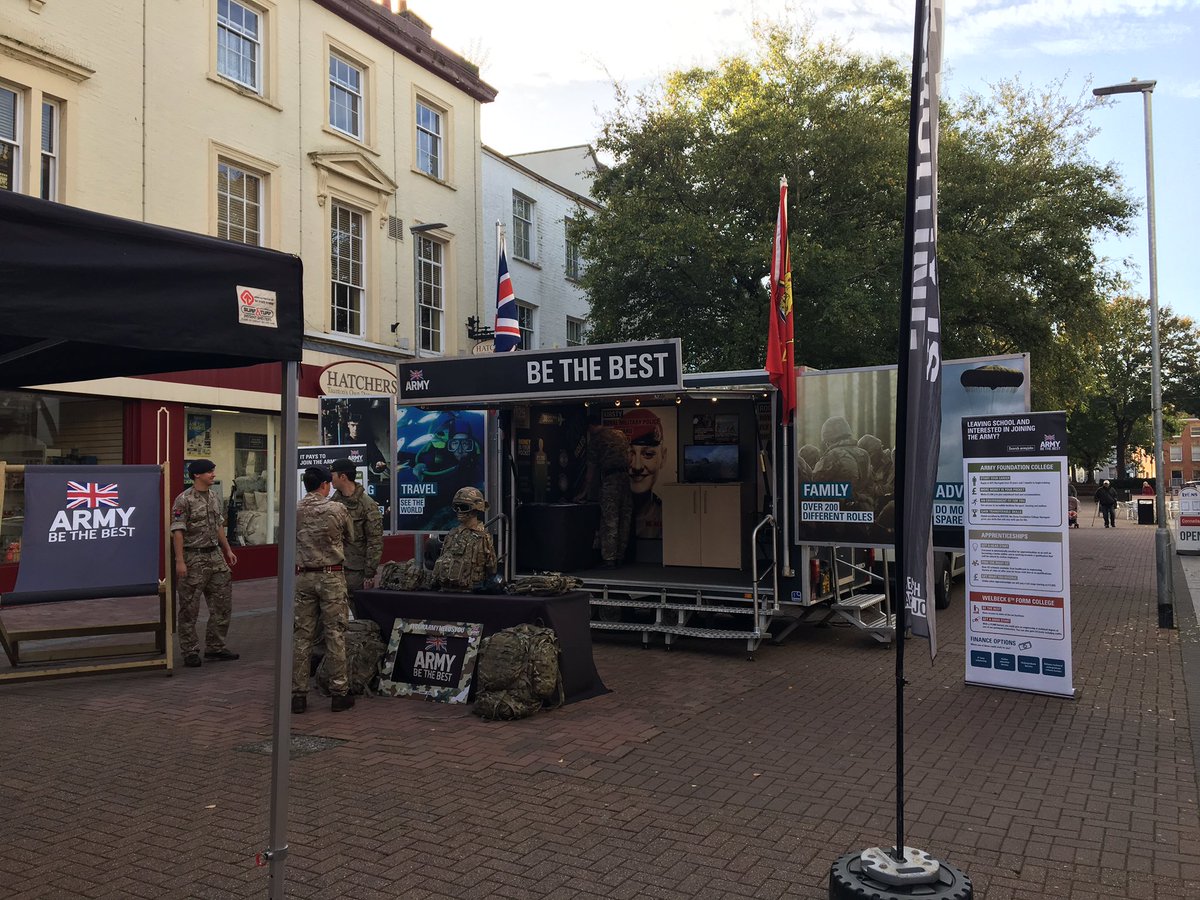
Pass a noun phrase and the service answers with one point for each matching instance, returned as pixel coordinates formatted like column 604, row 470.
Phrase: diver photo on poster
column 437, row 452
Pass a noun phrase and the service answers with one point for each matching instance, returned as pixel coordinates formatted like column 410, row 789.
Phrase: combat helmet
column 471, row 496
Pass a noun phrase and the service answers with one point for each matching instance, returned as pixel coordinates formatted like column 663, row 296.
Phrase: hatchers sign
column 355, row 378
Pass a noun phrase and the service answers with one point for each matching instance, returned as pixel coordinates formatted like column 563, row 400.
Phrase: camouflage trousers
column 207, row 576
column 616, row 511
column 323, row 595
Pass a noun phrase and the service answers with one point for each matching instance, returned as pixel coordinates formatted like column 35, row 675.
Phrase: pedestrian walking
column 202, row 565
column 323, row 528
column 1106, row 498
column 365, row 551
column 608, row 460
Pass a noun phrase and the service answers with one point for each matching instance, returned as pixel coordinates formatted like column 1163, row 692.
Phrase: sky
column 554, row 64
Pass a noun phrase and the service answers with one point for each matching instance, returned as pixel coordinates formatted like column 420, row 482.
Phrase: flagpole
column 900, row 870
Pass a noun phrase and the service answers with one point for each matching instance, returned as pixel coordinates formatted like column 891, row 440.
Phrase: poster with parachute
column 437, row 452
column 845, row 432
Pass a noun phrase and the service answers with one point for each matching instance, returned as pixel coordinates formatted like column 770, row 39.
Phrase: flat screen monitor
column 710, row 462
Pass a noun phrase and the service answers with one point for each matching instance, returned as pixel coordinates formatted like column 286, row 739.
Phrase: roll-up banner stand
column 1018, row 605
column 1189, row 521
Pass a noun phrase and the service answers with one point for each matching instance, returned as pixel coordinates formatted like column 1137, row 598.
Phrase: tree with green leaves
column 1118, row 403
column 682, row 242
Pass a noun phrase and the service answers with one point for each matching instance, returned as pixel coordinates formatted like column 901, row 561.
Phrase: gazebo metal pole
column 281, row 744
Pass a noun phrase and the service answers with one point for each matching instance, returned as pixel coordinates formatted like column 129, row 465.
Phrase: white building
column 537, row 210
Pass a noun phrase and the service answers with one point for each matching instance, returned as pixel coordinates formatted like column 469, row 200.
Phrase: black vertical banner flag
column 919, row 391
column 89, row 531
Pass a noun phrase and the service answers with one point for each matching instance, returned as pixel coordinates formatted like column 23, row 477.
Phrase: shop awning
column 85, row 295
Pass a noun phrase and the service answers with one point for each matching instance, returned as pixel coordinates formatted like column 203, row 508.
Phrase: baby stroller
column 1072, row 512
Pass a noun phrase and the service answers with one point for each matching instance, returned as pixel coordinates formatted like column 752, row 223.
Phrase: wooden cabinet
column 702, row 525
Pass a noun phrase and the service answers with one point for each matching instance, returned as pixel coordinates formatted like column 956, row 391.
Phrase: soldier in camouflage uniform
column 323, row 528
column 468, row 556
column 202, row 560
column 363, row 554
column 608, row 466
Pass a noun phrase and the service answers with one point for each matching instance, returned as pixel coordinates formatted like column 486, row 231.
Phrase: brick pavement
column 701, row 775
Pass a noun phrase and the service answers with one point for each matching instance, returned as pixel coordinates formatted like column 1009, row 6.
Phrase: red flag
column 781, row 362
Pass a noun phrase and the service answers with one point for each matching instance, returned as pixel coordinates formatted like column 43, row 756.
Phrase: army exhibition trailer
column 741, row 529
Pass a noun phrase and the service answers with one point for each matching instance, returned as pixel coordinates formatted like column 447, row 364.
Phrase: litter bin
column 1145, row 509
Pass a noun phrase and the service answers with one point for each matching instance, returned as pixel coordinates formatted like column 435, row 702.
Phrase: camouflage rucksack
column 403, row 576
column 518, row 673
column 364, row 649
column 544, row 583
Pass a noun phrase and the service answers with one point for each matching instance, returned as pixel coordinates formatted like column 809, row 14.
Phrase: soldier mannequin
column 202, row 560
column 468, row 556
column 363, row 554
column 323, row 528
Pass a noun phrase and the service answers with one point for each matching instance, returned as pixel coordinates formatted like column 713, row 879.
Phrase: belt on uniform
column 301, row 569
column 201, row 549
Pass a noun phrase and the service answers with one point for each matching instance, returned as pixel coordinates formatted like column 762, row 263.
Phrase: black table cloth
column 568, row 614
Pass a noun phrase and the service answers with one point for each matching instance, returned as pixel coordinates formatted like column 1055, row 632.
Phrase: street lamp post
column 1162, row 539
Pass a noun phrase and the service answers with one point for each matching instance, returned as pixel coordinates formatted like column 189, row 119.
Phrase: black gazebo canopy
column 85, row 295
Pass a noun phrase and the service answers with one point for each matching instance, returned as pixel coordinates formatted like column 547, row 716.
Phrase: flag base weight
column 875, row 873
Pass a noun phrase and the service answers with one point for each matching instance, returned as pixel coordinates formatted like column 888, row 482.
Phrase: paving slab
column 701, row 775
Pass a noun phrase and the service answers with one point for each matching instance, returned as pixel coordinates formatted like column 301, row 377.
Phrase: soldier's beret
column 344, row 466
column 200, row 466
column 318, row 471
column 642, row 427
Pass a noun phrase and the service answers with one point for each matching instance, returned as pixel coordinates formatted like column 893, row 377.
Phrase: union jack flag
column 416, row 374
column 508, row 329
column 436, row 642
column 91, row 495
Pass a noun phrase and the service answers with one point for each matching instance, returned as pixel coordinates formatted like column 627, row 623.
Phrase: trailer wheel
column 846, row 880
column 942, row 584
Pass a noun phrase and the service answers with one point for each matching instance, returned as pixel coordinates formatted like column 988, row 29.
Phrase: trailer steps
column 681, row 607
column 866, row 612
column 675, row 607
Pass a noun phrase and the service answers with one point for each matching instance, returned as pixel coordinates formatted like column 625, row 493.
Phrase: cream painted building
column 329, row 129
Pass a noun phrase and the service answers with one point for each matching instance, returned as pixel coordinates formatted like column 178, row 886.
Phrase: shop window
column 244, row 446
